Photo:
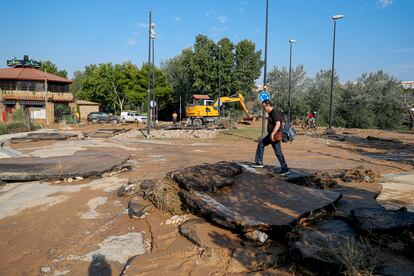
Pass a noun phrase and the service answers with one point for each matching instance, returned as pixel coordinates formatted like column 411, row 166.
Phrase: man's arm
column 277, row 126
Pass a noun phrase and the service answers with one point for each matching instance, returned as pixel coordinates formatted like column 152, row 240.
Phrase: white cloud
column 382, row 4
column 135, row 33
column 241, row 10
column 222, row 19
column 132, row 41
column 142, row 25
column 178, row 19
column 208, row 13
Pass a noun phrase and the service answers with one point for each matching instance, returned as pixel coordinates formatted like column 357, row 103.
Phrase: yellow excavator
column 204, row 110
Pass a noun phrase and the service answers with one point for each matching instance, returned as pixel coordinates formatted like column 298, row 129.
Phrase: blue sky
column 375, row 34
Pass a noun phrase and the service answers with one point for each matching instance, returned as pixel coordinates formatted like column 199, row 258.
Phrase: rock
column 256, row 235
column 383, row 221
column 128, row 189
column 147, row 184
column 207, row 177
column 393, row 265
column 138, row 210
column 45, row 269
column 70, row 179
column 78, row 178
column 318, row 247
column 57, row 181
column 176, row 220
column 253, row 202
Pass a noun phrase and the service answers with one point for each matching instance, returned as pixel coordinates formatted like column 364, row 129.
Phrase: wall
column 86, row 109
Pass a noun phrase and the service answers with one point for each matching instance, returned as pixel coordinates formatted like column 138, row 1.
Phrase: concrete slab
column 397, row 191
column 254, row 201
column 82, row 163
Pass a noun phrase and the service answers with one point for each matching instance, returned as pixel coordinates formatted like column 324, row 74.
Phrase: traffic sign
column 153, row 103
column 264, row 95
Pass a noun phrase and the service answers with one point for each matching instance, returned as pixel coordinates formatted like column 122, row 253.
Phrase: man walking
column 274, row 138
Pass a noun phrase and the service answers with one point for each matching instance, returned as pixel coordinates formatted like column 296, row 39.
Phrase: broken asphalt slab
column 249, row 200
column 83, row 163
column 43, row 136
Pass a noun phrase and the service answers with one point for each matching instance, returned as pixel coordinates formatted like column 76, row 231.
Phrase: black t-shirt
column 274, row 116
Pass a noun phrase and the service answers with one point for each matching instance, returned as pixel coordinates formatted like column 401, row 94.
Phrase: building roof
column 82, row 102
column 30, row 74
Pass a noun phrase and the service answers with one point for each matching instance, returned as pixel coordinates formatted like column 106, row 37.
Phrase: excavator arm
column 239, row 99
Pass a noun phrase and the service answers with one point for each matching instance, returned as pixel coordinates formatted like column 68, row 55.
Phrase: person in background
column 174, row 115
column 274, row 138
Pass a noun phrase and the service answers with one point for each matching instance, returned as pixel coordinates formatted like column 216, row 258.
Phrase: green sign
column 23, row 63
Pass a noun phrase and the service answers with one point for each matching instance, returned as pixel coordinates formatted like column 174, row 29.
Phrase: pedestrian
column 274, row 137
column 77, row 117
column 174, row 118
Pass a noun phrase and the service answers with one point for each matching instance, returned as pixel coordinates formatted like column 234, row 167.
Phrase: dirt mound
column 329, row 179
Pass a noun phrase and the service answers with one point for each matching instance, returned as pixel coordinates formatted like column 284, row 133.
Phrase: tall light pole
column 291, row 42
column 219, row 85
column 149, row 76
column 153, row 74
column 334, row 18
column 265, row 68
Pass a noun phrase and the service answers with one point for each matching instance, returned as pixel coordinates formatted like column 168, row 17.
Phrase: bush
column 19, row 115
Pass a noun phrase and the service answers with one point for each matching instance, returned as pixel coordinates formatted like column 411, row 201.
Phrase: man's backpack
column 289, row 132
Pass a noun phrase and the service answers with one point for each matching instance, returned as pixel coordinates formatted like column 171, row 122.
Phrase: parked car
column 131, row 116
column 102, row 117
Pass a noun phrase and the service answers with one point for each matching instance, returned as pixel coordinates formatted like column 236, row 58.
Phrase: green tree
column 247, row 66
column 51, row 68
column 318, row 97
column 278, row 88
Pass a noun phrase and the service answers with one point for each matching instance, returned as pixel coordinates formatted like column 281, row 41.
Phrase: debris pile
column 186, row 134
column 266, row 211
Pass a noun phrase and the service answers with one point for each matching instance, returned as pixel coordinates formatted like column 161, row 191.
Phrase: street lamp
column 334, row 18
column 291, row 42
column 219, row 84
column 150, row 26
column 265, row 67
column 153, row 75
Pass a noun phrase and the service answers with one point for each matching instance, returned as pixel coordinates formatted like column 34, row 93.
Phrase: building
column 407, row 84
column 86, row 107
column 44, row 96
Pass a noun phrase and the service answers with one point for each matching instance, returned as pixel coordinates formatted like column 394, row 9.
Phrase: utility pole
column 265, row 68
column 219, row 86
column 334, row 18
column 46, row 96
column 153, row 82
column 291, row 42
column 149, row 77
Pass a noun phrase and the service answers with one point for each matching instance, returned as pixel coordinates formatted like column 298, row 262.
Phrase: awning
column 33, row 103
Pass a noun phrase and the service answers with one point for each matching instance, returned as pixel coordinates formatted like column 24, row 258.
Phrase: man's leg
column 265, row 141
column 277, row 147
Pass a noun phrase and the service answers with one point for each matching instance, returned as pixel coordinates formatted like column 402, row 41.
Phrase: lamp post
column 219, row 84
column 265, row 67
column 153, row 75
column 149, row 76
column 334, row 18
column 291, row 42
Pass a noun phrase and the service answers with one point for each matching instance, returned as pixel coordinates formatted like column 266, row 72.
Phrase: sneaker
column 257, row 165
column 284, row 172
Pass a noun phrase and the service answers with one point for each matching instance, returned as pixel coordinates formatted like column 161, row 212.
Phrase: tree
column 278, row 83
column 385, row 97
column 51, row 68
column 318, row 97
column 196, row 71
column 246, row 68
